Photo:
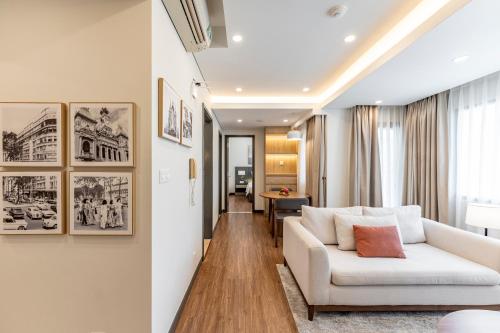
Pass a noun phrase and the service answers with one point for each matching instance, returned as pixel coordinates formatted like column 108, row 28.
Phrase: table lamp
column 483, row 216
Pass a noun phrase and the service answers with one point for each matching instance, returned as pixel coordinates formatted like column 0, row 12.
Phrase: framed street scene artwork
column 169, row 112
column 101, row 203
column 31, row 203
column 32, row 134
column 102, row 134
column 187, row 125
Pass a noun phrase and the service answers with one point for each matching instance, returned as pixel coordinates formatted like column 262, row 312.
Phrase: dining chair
column 284, row 208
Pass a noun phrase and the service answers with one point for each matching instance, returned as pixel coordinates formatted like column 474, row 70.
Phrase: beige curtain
column 316, row 160
column 425, row 180
column 365, row 185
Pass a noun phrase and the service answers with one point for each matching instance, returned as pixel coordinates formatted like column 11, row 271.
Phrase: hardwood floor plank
column 238, row 287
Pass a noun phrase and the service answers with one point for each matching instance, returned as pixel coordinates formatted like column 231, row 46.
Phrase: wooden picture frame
column 34, row 134
column 101, row 203
column 32, row 203
column 102, row 134
column 187, row 117
column 169, row 112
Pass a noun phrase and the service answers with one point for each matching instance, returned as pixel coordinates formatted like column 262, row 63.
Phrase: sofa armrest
column 471, row 246
column 308, row 260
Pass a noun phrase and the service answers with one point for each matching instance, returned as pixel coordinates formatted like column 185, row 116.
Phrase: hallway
column 238, row 287
column 238, row 204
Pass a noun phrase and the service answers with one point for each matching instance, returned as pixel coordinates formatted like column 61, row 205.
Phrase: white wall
column 79, row 50
column 177, row 226
column 237, row 157
column 338, row 141
column 259, row 161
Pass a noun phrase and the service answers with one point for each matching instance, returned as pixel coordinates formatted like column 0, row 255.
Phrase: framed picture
column 102, row 134
column 101, row 203
column 32, row 134
column 169, row 114
column 31, row 203
column 187, row 125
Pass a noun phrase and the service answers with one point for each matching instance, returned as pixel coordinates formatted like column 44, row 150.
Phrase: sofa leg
column 310, row 312
column 284, row 262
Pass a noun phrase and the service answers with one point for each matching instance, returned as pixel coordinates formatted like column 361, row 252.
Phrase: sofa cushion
column 321, row 221
column 378, row 242
column 409, row 220
column 344, row 227
column 424, row 265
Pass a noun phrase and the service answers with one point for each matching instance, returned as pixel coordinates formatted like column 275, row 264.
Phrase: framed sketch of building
column 102, row 134
column 186, row 125
column 169, row 112
column 101, row 203
column 31, row 203
column 32, row 134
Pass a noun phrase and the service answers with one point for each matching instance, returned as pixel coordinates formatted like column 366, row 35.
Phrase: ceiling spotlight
column 461, row 59
column 378, row 102
column 285, row 120
column 239, row 120
column 305, row 89
column 239, row 89
column 350, row 38
column 237, row 38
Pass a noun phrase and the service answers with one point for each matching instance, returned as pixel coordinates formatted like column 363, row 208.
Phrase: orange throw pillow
column 378, row 241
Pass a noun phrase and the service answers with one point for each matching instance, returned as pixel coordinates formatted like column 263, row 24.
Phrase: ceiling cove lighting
column 294, row 135
column 237, row 38
column 239, row 89
column 239, row 120
column 350, row 38
column 461, row 59
column 410, row 23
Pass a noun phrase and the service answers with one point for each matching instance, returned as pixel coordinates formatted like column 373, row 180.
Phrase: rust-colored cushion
column 378, row 241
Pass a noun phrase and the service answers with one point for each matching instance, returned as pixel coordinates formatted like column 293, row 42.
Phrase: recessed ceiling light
column 350, row 38
column 305, row 89
column 239, row 120
column 461, row 59
column 285, row 120
column 237, row 38
column 239, row 89
column 378, row 102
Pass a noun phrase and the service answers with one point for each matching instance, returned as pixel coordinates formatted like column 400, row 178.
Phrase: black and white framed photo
column 102, row 134
column 187, row 125
column 32, row 134
column 31, row 203
column 169, row 112
column 101, row 203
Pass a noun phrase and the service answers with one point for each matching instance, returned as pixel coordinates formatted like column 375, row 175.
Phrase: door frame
column 226, row 162
column 221, row 147
column 205, row 115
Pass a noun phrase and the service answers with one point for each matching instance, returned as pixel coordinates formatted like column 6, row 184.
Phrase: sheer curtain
column 390, row 141
column 475, row 155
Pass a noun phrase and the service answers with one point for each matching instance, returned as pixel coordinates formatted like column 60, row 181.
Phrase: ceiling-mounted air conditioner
column 191, row 20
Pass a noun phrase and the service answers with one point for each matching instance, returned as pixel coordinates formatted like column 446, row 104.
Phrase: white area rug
column 354, row 322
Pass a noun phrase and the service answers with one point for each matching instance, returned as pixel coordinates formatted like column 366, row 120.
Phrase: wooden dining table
column 274, row 195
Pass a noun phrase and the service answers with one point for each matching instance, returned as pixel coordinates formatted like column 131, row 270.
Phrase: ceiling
column 228, row 118
column 288, row 44
column 426, row 67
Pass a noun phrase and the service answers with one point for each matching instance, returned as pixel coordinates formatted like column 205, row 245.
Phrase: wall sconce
column 195, row 85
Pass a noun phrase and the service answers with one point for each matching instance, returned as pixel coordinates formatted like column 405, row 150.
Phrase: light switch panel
column 164, row 176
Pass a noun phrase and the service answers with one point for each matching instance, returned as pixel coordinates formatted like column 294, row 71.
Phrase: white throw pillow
column 409, row 219
column 344, row 226
column 321, row 221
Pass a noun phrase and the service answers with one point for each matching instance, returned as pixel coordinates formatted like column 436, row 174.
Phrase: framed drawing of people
column 32, row 134
column 101, row 203
column 31, row 203
column 187, row 125
column 102, row 134
column 169, row 112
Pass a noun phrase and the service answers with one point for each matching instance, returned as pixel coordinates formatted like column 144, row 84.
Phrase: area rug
column 354, row 322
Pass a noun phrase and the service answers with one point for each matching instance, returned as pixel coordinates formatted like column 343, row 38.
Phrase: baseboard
column 184, row 299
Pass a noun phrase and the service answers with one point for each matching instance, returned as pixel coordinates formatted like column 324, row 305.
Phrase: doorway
column 221, row 209
column 207, row 179
column 240, row 173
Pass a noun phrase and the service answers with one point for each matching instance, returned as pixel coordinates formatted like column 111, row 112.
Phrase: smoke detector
column 337, row 11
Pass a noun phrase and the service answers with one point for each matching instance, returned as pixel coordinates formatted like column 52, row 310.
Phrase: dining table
column 271, row 196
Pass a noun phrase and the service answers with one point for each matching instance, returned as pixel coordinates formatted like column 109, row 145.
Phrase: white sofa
column 453, row 269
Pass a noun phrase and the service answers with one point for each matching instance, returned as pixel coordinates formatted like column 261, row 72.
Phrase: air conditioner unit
column 191, row 20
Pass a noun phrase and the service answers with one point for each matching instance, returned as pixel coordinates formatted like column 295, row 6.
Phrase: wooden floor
column 238, row 287
column 238, row 203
